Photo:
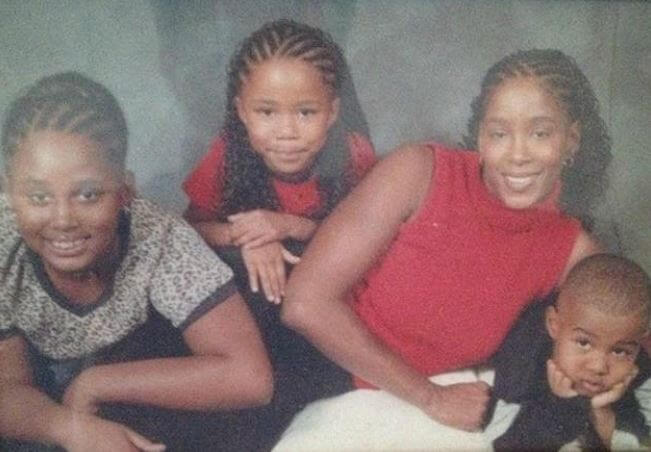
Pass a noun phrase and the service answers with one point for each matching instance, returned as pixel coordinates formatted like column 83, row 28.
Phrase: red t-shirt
column 205, row 184
column 457, row 275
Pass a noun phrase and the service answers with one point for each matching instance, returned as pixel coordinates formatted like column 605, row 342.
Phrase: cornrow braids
column 585, row 181
column 248, row 182
column 67, row 102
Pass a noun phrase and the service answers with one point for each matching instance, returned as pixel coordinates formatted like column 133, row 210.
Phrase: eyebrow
column 304, row 103
column 581, row 330
column 535, row 119
column 631, row 343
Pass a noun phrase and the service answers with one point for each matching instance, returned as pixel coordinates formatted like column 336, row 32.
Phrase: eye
column 542, row 133
column 582, row 343
column 624, row 353
column 497, row 134
column 305, row 112
column 89, row 195
column 264, row 111
column 39, row 198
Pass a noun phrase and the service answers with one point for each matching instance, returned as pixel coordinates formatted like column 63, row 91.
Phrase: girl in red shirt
column 293, row 143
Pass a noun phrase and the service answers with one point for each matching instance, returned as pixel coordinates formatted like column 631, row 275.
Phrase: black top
column 546, row 421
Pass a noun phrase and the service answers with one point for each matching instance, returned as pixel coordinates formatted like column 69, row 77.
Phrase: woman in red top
column 452, row 245
column 294, row 142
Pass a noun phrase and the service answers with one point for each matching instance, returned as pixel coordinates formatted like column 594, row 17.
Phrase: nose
column 63, row 215
column 597, row 363
column 287, row 127
column 520, row 152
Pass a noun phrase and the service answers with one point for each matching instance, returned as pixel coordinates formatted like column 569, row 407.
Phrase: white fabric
column 374, row 420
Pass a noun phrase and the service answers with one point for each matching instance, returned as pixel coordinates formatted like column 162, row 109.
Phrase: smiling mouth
column 66, row 247
column 519, row 183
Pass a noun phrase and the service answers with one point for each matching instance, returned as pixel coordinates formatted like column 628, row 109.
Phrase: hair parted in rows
column 67, row 102
column 584, row 181
column 247, row 180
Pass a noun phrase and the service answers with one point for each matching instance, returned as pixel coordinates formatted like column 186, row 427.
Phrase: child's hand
column 266, row 267
column 615, row 393
column 257, row 227
column 559, row 383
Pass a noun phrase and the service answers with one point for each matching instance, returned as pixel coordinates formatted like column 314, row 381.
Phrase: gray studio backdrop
column 417, row 64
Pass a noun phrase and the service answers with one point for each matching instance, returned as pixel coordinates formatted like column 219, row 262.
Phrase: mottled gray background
column 417, row 64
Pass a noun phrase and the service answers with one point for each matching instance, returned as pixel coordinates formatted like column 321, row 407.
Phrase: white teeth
column 519, row 182
column 66, row 244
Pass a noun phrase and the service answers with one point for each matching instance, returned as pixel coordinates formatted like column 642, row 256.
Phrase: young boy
column 574, row 362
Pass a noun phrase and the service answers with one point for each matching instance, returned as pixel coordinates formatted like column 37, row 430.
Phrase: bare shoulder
column 404, row 174
column 415, row 159
column 585, row 245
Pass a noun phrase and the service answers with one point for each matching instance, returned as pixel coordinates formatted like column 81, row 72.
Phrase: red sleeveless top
column 457, row 275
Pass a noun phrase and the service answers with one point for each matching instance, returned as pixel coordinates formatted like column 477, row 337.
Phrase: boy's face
column 595, row 350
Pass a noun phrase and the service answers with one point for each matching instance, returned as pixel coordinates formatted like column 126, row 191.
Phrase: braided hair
column 248, row 181
column 67, row 102
column 585, row 181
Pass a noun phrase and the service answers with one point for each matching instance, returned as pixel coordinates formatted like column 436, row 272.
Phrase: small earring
column 569, row 161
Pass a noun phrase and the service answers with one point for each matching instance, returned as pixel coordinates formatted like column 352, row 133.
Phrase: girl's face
column 595, row 350
column 67, row 200
column 287, row 110
column 525, row 137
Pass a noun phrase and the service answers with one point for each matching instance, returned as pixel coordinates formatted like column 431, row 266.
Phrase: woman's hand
column 89, row 432
column 258, row 227
column 461, row 405
column 266, row 267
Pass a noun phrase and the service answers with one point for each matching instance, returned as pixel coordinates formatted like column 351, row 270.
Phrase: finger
column 281, row 278
column 143, row 443
column 236, row 217
column 277, row 278
column 568, row 386
column 289, row 257
column 267, row 283
column 252, row 271
column 608, row 397
column 246, row 238
column 261, row 239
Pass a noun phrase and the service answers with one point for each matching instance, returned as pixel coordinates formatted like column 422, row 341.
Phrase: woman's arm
column 229, row 369
column 585, row 246
column 347, row 244
column 27, row 414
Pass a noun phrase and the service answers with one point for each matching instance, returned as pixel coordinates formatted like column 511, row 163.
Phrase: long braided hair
column 67, row 102
column 248, row 181
column 585, row 181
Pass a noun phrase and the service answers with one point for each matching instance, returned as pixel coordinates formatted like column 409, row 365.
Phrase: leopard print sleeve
column 189, row 279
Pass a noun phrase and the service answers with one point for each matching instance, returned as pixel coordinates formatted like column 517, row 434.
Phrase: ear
column 334, row 111
column 240, row 109
column 574, row 141
column 552, row 321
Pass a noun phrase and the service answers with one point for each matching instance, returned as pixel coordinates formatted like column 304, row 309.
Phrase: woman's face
column 287, row 110
column 67, row 200
column 525, row 138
